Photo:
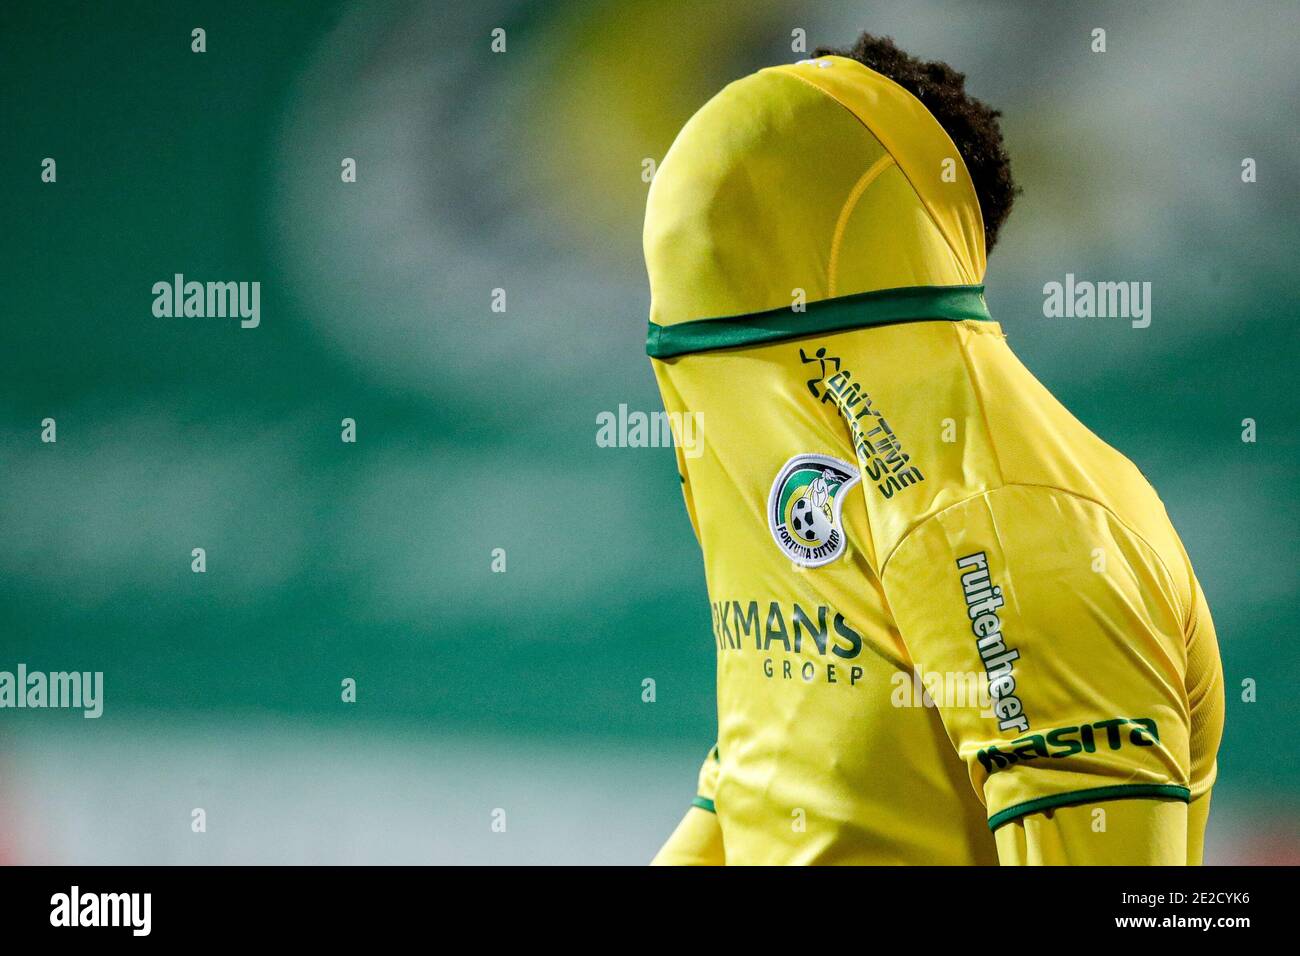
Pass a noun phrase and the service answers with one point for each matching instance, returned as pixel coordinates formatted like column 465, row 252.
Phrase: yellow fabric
column 763, row 185
column 1121, row 833
column 697, row 841
column 832, row 180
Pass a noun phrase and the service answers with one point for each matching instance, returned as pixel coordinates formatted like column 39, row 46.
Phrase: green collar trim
column 1121, row 791
column 952, row 303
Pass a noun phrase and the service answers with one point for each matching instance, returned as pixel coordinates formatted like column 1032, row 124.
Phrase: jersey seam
column 993, row 448
column 874, row 172
column 979, row 403
column 934, row 220
column 1064, row 491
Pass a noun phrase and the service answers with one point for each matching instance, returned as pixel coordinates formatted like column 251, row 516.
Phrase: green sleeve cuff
column 704, row 803
column 1124, row 791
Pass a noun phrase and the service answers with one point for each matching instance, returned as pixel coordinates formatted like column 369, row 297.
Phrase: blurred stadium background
column 522, row 171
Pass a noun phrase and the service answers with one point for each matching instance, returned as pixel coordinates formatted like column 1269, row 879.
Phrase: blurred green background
column 476, row 429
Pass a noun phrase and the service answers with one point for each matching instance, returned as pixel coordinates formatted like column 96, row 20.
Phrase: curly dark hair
column 971, row 124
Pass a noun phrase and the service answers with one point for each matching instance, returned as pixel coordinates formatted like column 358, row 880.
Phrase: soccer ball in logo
column 808, row 521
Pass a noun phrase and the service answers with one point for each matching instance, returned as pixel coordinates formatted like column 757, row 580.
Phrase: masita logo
column 76, row 908
column 803, row 508
column 1083, row 739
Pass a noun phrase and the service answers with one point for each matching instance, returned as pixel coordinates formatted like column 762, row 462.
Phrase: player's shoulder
column 1057, row 468
column 1050, row 540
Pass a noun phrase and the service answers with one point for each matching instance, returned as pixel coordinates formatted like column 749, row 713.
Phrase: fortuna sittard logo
column 803, row 509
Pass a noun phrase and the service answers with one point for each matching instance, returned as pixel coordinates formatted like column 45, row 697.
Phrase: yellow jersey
column 952, row 625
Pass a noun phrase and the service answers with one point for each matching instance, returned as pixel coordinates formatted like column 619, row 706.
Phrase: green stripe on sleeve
column 704, row 803
column 1124, row 791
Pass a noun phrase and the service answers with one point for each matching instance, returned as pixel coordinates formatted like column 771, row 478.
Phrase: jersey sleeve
column 1115, row 833
column 697, row 841
column 1053, row 638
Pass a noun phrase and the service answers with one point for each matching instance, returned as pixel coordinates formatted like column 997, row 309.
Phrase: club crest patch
column 803, row 508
